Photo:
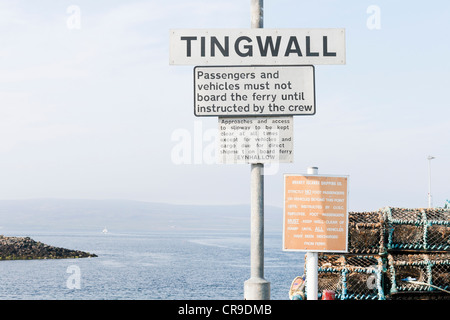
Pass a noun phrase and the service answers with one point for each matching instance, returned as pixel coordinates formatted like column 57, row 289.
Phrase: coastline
column 25, row 248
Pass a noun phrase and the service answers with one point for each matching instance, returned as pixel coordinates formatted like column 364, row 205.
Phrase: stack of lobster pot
column 418, row 253
column 393, row 253
column 358, row 274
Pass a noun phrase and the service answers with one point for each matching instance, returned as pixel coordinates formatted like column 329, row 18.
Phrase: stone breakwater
column 25, row 248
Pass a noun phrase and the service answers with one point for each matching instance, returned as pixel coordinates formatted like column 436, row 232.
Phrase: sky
column 91, row 109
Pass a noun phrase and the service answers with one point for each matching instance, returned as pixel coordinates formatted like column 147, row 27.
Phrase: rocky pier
column 25, row 248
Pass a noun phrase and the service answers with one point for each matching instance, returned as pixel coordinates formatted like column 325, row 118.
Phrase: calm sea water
column 161, row 265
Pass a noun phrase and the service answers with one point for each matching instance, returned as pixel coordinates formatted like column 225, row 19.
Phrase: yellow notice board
column 315, row 213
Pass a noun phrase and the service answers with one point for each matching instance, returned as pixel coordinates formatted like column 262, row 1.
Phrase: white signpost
column 254, row 91
column 267, row 76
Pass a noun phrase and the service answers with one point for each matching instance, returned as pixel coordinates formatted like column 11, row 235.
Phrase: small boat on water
column 105, row 230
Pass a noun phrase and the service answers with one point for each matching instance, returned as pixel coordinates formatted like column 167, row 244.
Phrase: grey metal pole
column 257, row 288
column 257, row 13
column 257, row 221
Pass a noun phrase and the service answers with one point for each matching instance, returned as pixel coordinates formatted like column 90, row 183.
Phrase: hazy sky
column 91, row 108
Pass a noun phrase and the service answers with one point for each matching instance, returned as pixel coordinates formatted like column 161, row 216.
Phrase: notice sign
column 257, row 46
column 315, row 213
column 254, row 91
column 255, row 140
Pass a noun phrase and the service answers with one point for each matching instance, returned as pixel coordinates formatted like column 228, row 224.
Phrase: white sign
column 254, row 91
column 256, row 140
column 258, row 46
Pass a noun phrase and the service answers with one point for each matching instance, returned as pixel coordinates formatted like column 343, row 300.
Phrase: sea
column 163, row 265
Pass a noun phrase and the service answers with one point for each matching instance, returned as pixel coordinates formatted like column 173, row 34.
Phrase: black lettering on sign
column 248, row 47
column 293, row 42
column 263, row 48
column 188, row 44
column 325, row 48
column 224, row 50
column 202, row 46
column 308, row 48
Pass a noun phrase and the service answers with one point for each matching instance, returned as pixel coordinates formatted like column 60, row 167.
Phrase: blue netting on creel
column 352, row 277
column 398, row 229
column 418, row 272
column 421, row 230
column 366, row 232
column 386, row 247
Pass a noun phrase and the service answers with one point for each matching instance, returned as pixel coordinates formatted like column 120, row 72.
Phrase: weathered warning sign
column 315, row 213
column 256, row 140
column 254, row 91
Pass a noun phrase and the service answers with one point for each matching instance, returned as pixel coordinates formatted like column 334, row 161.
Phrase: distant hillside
column 124, row 215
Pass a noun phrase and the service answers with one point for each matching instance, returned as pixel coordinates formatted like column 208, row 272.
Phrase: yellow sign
column 315, row 213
